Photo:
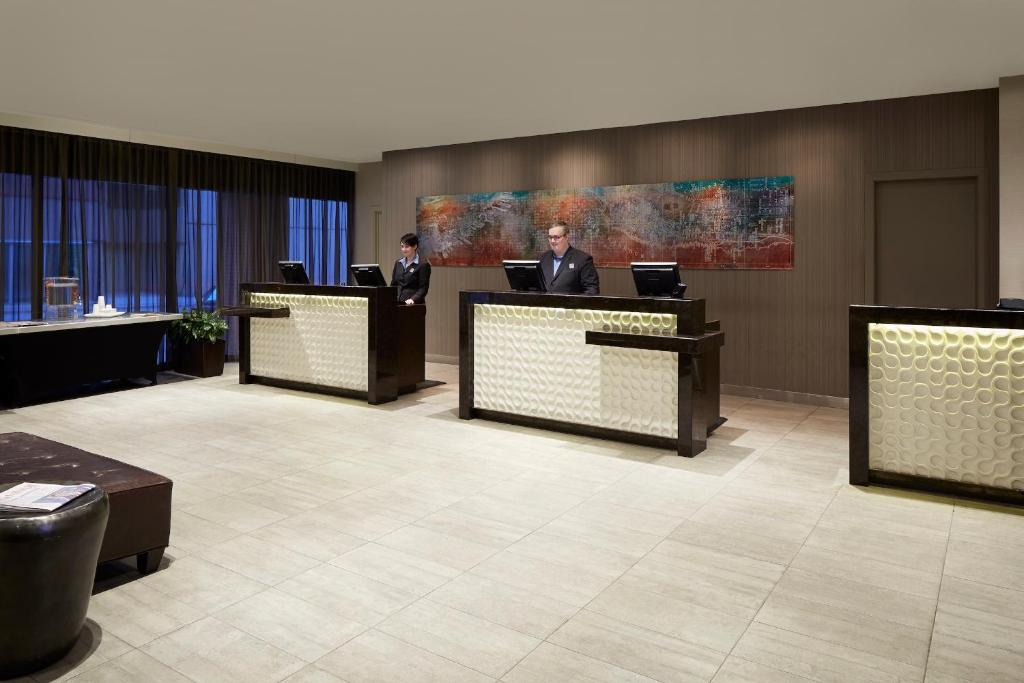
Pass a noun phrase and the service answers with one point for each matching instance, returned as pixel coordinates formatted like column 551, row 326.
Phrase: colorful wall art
column 731, row 223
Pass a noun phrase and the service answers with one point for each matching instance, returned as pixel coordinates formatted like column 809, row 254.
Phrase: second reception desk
column 635, row 369
column 348, row 341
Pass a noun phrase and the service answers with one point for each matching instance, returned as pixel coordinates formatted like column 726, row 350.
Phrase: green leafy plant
column 197, row 325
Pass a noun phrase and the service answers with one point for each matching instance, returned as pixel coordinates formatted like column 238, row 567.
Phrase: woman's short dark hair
column 410, row 239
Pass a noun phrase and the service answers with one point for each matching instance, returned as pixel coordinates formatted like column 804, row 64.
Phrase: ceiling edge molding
column 94, row 130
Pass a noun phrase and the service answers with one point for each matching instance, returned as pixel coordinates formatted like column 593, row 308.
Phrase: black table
column 39, row 359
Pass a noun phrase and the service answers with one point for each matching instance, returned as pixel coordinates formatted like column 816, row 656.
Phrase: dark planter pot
column 201, row 359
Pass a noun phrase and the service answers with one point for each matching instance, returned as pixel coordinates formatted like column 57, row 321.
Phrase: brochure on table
column 31, row 496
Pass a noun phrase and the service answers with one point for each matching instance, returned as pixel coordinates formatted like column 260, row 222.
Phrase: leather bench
column 140, row 500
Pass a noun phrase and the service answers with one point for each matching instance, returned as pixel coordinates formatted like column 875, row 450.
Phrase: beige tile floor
column 322, row 539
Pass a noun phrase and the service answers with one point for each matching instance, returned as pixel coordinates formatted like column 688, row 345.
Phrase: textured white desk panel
column 323, row 341
column 947, row 403
column 536, row 362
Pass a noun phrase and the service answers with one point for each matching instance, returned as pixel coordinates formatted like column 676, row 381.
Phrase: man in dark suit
column 567, row 270
column 411, row 274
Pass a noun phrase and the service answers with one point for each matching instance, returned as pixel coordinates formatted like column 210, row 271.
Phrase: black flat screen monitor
column 293, row 272
column 524, row 276
column 368, row 275
column 657, row 279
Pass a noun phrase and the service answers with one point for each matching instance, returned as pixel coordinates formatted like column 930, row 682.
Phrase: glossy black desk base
column 40, row 365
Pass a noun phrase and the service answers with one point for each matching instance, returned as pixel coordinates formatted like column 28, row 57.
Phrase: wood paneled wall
column 369, row 199
column 785, row 330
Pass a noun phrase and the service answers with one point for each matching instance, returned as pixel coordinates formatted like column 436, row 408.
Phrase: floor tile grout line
column 717, row 496
column 503, row 549
column 786, row 568
column 611, row 583
column 403, row 640
column 767, row 666
column 789, row 566
column 623, row 476
column 938, row 595
column 227, row 625
column 545, row 639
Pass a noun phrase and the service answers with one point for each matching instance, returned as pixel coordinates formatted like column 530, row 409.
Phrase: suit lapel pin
column 571, row 266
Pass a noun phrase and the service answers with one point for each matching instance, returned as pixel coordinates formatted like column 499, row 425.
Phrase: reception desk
column 937, row 400
column 347, row 341
column 42, row 358
column 640, row 370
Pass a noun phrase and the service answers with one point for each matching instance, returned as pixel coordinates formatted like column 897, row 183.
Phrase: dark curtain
column 16, row 245
column 107, row 223
column 264, row 214
column 26, row 159
column 152, row 228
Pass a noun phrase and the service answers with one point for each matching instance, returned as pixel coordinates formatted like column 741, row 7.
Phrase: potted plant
column 199, row 342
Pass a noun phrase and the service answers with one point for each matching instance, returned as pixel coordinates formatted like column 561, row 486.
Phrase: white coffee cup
column 95, row 308
column 101, row 302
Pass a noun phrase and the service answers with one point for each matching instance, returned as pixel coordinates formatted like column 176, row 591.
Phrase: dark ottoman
column 140, row 501
column 47, row 566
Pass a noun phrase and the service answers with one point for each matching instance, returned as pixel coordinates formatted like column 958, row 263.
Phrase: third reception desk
column 348, row 341
column 636, row 369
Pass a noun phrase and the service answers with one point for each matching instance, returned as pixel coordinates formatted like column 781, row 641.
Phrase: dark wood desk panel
column 412, row 321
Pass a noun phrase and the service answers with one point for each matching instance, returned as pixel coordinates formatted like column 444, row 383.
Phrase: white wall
column 1011, row 187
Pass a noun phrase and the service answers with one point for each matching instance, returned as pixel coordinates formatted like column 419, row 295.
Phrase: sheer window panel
column 196, row 252
column 318, row 236
column 111, row 236
column 16, row 246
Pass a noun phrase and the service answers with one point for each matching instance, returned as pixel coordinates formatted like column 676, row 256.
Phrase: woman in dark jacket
column 411, row 274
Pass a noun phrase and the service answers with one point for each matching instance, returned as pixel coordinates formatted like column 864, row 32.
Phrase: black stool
column 47, row 568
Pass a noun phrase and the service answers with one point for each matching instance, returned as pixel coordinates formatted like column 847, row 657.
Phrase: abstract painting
column 729, row 223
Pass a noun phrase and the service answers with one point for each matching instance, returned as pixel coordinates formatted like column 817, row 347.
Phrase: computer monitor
column 524, row 276
column 657, row 279
column 293, row 272
column 368, row 275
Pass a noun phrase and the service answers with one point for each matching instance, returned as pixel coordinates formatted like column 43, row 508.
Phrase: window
column 110, row 237
column 318, row 236
column 196, row 256
column 16, row 246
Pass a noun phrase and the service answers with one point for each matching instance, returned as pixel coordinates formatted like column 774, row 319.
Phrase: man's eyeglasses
column 555, row 238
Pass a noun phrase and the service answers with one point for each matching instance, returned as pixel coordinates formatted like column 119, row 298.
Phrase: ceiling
column 347, row 80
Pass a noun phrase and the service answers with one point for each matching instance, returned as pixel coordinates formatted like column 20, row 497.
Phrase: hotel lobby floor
column 322, row 539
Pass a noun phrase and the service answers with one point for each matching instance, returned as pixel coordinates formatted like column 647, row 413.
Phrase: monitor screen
column 524, row 276
column 368, row 275
column 293, row 272
column 657, row 279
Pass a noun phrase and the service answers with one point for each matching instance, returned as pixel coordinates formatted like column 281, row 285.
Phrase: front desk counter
column 348, row 341
column 642, row 370
column 937, row 400
column 41, row 358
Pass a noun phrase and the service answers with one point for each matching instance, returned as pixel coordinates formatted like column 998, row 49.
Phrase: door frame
column 984, row 242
